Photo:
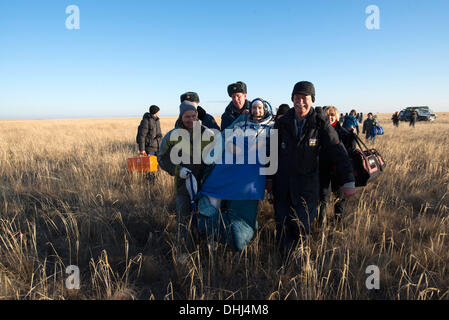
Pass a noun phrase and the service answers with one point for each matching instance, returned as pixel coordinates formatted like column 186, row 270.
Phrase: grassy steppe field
column 66, row 198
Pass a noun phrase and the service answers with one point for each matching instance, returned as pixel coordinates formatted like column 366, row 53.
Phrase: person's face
column 370, row 116
column 157, row 114
column 302, row 104
column 188, row 118
column 238, row 99
column 332, row 117
column 257, row 111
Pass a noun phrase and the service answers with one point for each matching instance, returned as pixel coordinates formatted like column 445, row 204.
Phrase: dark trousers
column 339, row 205
column 293, row 221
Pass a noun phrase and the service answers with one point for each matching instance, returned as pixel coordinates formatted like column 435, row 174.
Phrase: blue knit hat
column 186, row 106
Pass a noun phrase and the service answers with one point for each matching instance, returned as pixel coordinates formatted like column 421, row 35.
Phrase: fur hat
column 190, row 96
column 237, row 87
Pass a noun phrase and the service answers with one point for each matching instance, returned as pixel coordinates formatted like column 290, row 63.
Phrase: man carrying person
column 188, row 117
column 302, row 133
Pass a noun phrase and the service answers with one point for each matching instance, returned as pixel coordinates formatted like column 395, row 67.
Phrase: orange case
column 142, row 164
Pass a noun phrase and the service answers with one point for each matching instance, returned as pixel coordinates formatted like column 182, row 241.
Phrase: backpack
column 379, row 130
column 350, row 121
column 367, row 164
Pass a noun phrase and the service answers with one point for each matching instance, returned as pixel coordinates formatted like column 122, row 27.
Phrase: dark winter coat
column 231, row 113
column 327, row 169
column 210, row 122
column 368, row 126
column 149, row 134
column 298, row 170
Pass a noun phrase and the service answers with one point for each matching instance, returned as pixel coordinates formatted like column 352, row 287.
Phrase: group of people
column 313, row 159
column 413, row 118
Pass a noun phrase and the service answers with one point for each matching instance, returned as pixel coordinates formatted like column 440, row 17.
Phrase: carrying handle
column 360, row 143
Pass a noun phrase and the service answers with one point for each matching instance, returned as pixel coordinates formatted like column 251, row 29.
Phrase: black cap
column 237, row 87
column 283, row 108
column 190, row 96
column 304, row 87
column 154, row 109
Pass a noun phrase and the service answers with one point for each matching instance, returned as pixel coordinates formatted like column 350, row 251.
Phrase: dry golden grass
column 66, row 198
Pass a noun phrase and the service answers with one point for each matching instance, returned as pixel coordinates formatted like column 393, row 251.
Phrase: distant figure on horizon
column 395, row 119
column 413, row 118
column 369, row 127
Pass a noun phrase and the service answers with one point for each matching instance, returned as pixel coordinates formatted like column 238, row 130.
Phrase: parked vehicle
column 424, row 113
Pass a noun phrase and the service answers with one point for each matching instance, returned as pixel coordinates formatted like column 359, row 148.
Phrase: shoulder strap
column 360, row 143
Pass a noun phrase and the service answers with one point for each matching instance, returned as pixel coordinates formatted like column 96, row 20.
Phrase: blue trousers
column 370, row 137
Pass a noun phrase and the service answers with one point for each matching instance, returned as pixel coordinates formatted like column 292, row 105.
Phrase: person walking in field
column 188, row 117
column 302, row 133
column 149, row 132
column 329, row 180
column 395, row 119
column 351, row 123
column 413, row 118
column 369, row 128
column 149, row 136
column 238, row 106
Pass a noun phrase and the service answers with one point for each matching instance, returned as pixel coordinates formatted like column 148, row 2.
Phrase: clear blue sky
column 128, row 55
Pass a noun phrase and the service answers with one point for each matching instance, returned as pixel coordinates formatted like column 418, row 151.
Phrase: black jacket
column 231, row 113
column 327, row 168
column 149, row 134
column 298, row 170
